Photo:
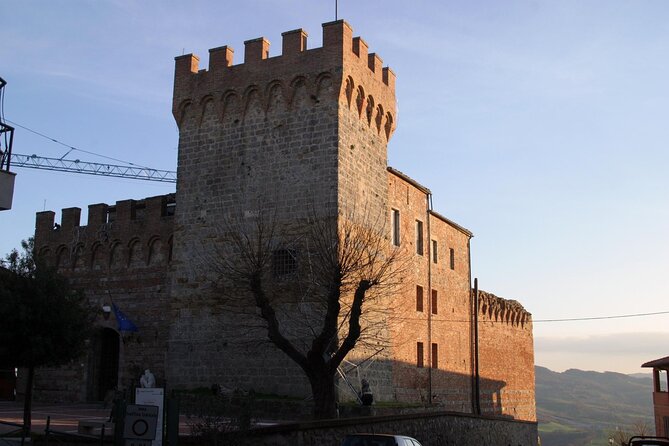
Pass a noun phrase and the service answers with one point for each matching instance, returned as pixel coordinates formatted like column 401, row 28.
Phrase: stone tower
column 300, row 134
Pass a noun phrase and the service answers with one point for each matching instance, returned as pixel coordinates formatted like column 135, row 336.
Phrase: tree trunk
column 325, row 395
column 28, row 403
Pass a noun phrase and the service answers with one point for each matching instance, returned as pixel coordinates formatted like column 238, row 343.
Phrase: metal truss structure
column 89, row 168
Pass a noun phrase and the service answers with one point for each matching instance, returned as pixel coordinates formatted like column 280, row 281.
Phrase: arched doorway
column 103, row 364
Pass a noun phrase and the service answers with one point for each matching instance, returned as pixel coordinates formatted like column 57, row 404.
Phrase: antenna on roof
column 336, row 2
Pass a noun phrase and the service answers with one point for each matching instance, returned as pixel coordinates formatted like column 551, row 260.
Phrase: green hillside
column 578, row 408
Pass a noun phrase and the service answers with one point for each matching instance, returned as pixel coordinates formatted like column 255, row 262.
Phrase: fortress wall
column 120, row 257
column 506, row 353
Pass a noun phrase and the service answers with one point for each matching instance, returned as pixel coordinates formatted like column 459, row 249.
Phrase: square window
column 419, row 355
column 395, row 223
column 419, row 298
column 170, row 209
column 419, row 237
column 284, row 262
column 434, row 302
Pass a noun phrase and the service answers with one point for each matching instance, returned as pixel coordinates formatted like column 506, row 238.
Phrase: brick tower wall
column 506, row 356
column 121, row 256
column 283, row 138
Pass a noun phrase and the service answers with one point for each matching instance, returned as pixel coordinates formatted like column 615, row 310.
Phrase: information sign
column 140, row 422
column 154, row 396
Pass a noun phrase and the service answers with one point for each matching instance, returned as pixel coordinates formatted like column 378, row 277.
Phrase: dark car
column 648, row 441
column 379, row 440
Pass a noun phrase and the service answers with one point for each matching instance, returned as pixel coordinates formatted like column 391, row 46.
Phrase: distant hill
column 641, row 375
column 578, row 408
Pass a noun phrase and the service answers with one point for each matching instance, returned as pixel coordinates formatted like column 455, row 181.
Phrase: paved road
column 64, row 417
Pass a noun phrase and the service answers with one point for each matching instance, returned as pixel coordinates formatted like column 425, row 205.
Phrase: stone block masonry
column 296, row 136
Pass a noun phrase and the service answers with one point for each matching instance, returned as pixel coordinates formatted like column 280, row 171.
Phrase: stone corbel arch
column 360, row 100
column 230, row 105
column 183, row 110
column 78, row 256
column 389, row 126
column 298, row 99
column 204, row 102
column 44, row 254
column 97, row 249
column 62, row 257
column 115, row 254
column 349, row 88
column 251, row 95
column 369, row 110
column 275, row 89
column 378, row 118
column 324, row 86
column 155, row 251
column 133, row 245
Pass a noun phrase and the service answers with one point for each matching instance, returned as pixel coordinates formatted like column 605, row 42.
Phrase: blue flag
column 124, row 324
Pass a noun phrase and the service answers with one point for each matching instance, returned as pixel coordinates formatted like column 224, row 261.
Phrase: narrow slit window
column 419, row 237
column 435, row 356
column 395, row 223
column 434, row 302
column 435, row 255
column 419, row 298
column 419, row 355
column 452, row 255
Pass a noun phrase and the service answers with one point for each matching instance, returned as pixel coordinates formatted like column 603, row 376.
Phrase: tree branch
column 269, row 315
column 353, row 325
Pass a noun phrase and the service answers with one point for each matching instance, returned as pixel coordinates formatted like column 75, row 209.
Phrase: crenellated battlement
column 342, row 67
column 130, row 228
column 498, row 309
column 125, row 212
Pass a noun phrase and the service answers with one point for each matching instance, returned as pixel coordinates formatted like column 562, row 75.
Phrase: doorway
column 103, row 364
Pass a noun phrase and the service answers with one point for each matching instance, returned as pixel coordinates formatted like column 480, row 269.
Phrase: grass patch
column 552, row 427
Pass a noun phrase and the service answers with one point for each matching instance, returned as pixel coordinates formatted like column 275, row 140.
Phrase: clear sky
column 541, row 126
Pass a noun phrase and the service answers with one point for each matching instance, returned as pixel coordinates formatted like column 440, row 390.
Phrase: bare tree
column 335, row 272
column 621, row 436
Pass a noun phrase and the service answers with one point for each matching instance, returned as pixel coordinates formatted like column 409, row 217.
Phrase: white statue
column 147, row 381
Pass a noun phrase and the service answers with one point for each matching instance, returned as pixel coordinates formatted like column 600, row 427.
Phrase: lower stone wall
column 431, row 429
